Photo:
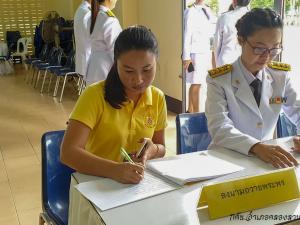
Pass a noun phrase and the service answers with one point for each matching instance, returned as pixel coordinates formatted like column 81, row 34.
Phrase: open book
column 161, row 175
column 196, row 167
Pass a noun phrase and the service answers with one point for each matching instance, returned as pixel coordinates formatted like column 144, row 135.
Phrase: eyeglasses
column 261, row 51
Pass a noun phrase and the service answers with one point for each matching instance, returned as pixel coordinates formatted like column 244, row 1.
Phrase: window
column 20, row 15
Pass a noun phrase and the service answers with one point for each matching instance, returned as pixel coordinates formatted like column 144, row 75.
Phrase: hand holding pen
column 148, row 151
column 128, row 172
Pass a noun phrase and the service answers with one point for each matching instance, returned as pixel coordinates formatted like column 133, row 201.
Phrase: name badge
column 277, row 100
column 241, row 195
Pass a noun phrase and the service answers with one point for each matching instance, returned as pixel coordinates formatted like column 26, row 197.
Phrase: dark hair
column 257, row 19
column 242, row 2
column 230, row 7
column 132, row 38
column 94, row 12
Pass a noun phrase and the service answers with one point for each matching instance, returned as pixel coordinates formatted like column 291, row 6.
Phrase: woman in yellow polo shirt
column 119, row 112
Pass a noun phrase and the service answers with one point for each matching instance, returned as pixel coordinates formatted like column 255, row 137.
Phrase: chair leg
column 56, row 86
column 45, row 74
column 37, row 79
column 41, row 220
column 23, row 61
column 48, row 90
column 29, row 73
column 63, row 88
column 82, row 87
column 33, row 75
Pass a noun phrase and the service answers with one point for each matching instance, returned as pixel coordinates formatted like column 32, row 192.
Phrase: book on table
column 161, row 176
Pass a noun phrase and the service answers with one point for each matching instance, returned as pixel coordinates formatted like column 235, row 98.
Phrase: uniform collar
column 147, row 96
column 86, row 4
column 103, row 8
column 247, row 74
column 241, row 8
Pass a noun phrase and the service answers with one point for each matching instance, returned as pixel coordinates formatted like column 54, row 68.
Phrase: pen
column 125, row 155
column 141, row 151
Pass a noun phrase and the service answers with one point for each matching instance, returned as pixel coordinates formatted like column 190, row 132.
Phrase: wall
column 63, row 7
column 164, row 18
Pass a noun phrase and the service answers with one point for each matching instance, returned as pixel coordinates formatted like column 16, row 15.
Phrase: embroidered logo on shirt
column 149, row 120
column 278, row 100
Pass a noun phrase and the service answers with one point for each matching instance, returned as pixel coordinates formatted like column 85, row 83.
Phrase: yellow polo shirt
column 113, row 128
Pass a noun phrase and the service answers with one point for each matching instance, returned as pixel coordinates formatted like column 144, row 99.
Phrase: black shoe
column 187, row 111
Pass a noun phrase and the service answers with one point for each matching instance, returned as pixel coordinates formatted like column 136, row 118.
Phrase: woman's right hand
column 128, row 173
column 186, row 63
column 274, row 155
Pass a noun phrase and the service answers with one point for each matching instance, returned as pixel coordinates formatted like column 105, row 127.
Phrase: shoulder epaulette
column 220, row 70
column 110, row 13
column 279, row 66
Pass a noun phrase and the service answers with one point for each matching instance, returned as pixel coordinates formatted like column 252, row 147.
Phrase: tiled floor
column 25, row 115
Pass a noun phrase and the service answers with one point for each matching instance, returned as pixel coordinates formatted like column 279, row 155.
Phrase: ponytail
column 114, row 90
column 95, row 9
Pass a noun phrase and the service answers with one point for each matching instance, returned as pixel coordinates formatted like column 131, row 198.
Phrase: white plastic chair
column 25, row 41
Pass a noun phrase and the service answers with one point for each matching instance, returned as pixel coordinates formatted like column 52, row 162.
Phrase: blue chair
column 55, row 181
column 192, row 132
column 285, row 127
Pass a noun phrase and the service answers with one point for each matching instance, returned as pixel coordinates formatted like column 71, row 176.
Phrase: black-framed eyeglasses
column 261, row 51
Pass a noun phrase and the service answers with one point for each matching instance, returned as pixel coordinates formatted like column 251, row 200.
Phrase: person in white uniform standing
column 226, row 47
column 82, row 38
column 196, row 54
column 104, row 30
column 244, row 99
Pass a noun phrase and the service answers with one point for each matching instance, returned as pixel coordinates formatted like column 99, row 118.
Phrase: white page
column 107, row 193
column 196, row 168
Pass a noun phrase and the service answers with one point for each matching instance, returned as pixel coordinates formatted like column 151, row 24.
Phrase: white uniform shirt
column 197, row 31
column 234, row 119
column 82, row 38
column 226, row 46
column 106, row 30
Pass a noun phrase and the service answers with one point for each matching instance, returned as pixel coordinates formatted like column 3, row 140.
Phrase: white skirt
column 202, row 63
column 99, row 65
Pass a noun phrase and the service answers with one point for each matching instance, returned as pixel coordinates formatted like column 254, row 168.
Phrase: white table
column 179, row 207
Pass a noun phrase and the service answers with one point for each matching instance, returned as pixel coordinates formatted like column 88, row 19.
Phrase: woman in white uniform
column 82, row 37
column 244, row 99
column 104, row 29
column 198, row 20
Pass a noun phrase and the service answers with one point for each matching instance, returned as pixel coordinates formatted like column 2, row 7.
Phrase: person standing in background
column 196, row 49
column 104, row 30
column 82, row 37
column 226, row 47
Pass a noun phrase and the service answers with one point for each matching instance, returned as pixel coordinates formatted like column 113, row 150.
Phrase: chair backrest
column 192, row 132
column 285, row 127
column 44, row 51
column 12, row 38
column 22, row 46
column 70, row 62
column 55, row 57
column 55, row 178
